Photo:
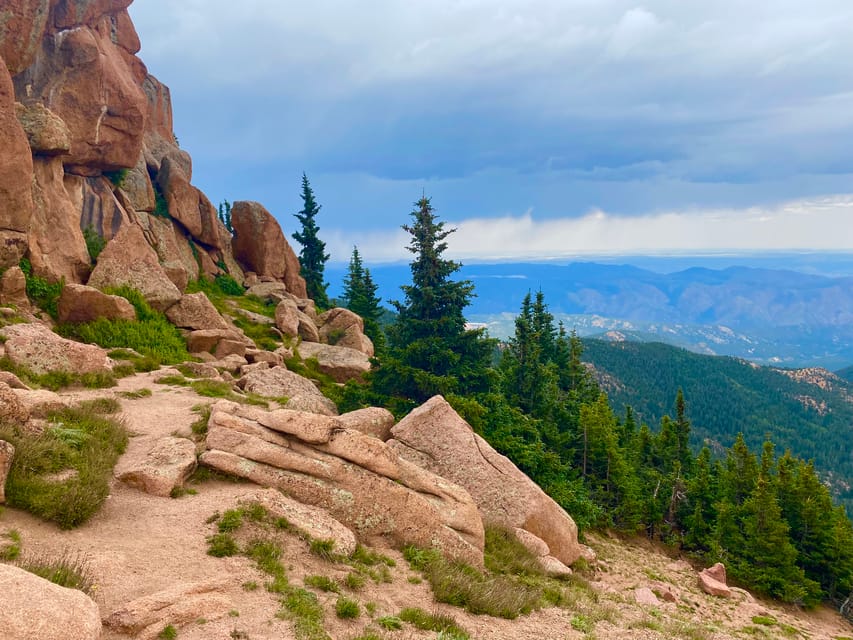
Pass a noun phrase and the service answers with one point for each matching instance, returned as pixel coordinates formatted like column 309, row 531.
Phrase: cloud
column 820, row 224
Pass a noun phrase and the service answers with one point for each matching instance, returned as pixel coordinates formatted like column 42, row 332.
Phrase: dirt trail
column 139, row 544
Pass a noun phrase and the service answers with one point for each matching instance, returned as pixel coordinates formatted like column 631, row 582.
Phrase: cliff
column 86, row 145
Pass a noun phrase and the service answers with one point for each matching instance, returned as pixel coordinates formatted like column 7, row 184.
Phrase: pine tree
column 312, row 257
column 359, row 296
column 225, row 215
column 430, row 350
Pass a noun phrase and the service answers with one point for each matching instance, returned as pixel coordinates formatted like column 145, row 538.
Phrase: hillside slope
column 809, row 411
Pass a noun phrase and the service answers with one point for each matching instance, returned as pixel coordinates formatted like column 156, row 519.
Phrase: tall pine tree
column 312, row 257
column 360, row 297
column 431, row 351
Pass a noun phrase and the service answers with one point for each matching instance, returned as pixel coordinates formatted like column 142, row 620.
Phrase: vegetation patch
column 10, row 548
column 63, row 474
column 151, row 334
column 433, row 622
column 43, row 293
column 68, row 570
column 347, row 608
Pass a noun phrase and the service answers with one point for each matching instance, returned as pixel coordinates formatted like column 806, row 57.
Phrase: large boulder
column 79, row 303
column 7, row 451
column 278, row 382
column 287, row 318
column 162, row 468
column 39, row 349
column 713, row 581
column 35, row 608
column 46, row 132
column 102, row 208
column 339, row 363
column 187, row 204
column 194, row 311
column 16, row 173
column 173, row 248
column 129, row 260
column 13, row 288
column 357, row 478
column 435, row 437
column 343, row 328
column 261, row 246
column 371, row 421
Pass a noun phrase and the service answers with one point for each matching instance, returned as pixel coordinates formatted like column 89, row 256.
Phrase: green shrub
column 228, row 285
column 347, row 609
column 117, row 177
column 151, row 334
column 94, row 242
column 161, row 207
column 354, row 581
column 82, row 444
column 221, row 545
column 43, row 293
column 168, row 633
column 324, row 549
column 391, row 623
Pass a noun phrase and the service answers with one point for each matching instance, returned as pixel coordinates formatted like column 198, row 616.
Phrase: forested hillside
column 808, row 411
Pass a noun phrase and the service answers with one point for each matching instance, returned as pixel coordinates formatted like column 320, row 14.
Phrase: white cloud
column 816, row 224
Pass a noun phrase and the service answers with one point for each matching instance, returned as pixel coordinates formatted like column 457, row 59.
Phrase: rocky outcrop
column 128, row 260
column 35, row 608
column 16, row 173
column 7, row 451
column 13, row 288
column 339, row 363
column 12, row 410
column 358, row 479
column 435, row 437
column 278, row 382
column 164, row 467
column 342, row 328
column 179, row 605
column 194, row 311
column 46, row 132
column 79, row 303
column 39, row 349
column 713, row 581
column 21, row 29
column 314, row 522
column 371, row 421
column 261, row 246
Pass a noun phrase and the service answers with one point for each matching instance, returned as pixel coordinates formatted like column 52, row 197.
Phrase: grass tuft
column 347, row 609
column 433, row 622
column 66, row 570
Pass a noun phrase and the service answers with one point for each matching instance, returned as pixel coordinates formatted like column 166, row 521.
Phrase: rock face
column 358, row 479
column 79, row 303
column 261, row 246
column 435, row 437
column 129, row 260
column 182, row 604
column 35, row 608
column 38, row 348
column 168, row 463
column 278, row 382
column 86, row 141
column 372, row 421
column 16, row 175
column 343, row 328
column 7, row 451
column 340, row 363
column 713, row 581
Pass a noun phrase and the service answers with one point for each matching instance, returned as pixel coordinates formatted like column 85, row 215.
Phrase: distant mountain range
column 772, row 316
column 807, row 410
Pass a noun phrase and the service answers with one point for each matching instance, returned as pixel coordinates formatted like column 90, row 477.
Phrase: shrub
column 392, row 623
column 117, row 177
column 94, row 242
column 83, row 445
column 432, row 622
column 323, row 583
column 347, row 609
column 324, row 549
column 43, row 293
column 168, row 633
column 221, row 545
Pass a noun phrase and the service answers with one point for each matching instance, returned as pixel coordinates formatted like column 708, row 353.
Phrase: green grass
column 354, row 581
column 433, row 622
column 347, row 608
column 102, row 406
column 67, row 570
column 391, row 623
column 303, row 608
column 12, row 549
column 324, row 549
column 136, row 395
column 151, row 334
column 323, row 583
column 222, row 545
column 43, row 293
column 135, row 360
column 80, row 440
column 56, row 380
column 767, row 621
column 168, row 633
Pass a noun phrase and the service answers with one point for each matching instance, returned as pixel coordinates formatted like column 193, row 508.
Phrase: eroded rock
column 278, row 382
column 194, row 311
column 713, row 581
column 339, row 363
column 165, row 466
column 79, row 303
column 38, row 348
column 372, row 421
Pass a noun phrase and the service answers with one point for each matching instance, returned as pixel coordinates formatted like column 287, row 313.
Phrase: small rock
column 166, row 466
column 287, row 318
column 554, row 567
column 79, row 303
column 12, row 380
column 645, row 596
column 201, row 370
column 13, row 288
column 713, row 581
column 228, row 347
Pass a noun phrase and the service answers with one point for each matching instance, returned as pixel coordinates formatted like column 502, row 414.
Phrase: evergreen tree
column 359, row 296
column 225, row 215
column 312, row 257
column 431, row 351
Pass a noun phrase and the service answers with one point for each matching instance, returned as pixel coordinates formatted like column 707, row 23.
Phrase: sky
column 539, row 128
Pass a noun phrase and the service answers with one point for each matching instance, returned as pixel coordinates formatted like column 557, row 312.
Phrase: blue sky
column 541, row 128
